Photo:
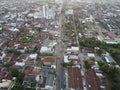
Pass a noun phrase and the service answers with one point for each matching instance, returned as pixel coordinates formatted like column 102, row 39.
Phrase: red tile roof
column 38, row 47
column 49, row 59
column 27, row 70
column 24, row 56
column 36, row 72
column 91, row 62
column 92, row 79
column 30, row 62
column 9, row 55
column 112, row 35
column 75, row 78
column 13, row 68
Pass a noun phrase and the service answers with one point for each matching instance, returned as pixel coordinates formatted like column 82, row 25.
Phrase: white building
column 5, row 83
column 22, row 61
column 45, row 49
column 21, row 64
column 33, row 56
column 2, row 55
column 91, row 55
column 45, row 9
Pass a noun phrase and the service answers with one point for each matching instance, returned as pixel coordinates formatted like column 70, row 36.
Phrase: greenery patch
column 26, row 39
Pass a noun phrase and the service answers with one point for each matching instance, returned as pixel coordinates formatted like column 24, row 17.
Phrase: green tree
column 65, row 65
column 33, row 84
column 18, row 86
column 39, row 29
column 14, row 73
column 8, row 64
column 86, row 64
column 13, row 51
column 100, row 51
column 71, row 63
column 101, row 63
column 19, row 75
column 35, row 49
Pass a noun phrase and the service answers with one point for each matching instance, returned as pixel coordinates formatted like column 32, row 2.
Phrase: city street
column 59, row 53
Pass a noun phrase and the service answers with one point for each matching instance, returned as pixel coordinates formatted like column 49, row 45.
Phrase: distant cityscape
column 59, row 44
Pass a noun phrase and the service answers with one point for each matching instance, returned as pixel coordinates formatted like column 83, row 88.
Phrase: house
column 20, row 48
column 75, row 79
column 28, row 80
column 69, row 12
column 5, row 84
column 2, row 55
column 45, row 49
column 71, row 54
column 66, row 59
column 27, row 70
column 3, row 45
column 30, row 62
column 47, row 80
column 108, row 58
column 44, row 34
column 14, row 29
column 8, row 57
column 112, row 35
column 92, row 79
column 35, row 72
column 22, row 60
column 48, row 46
column 3, row 73
column 33, row 56
column 69, row 58
column 48, row 73
column 91, row 55
column 110, row 41
column 50, row 82
column 49, row 61
column 72, row 50
column 73, row 57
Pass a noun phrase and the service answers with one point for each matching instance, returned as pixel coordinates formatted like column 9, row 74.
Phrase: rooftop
column 5, row 83
column 36, row 72
column 49, row 59
column 92, row 79
column 112, row 35
column 74, row 78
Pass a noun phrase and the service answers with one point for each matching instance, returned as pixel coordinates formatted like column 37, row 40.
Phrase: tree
column 18, row 86
column 65, row 65
column 8, row 64
column 86, row 64
column 14, row 73
column 104, row 68
column 35, row 49
column 20, row 76
column 14, row 51
column 33, row 84
column 100, row 51
column 71, row 63
column 101, row 63
column 21, row 29
column 39, row 29
column 93, row 59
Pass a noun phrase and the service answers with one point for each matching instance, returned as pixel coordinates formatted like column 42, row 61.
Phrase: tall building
column 44, row 13
column 45, row 10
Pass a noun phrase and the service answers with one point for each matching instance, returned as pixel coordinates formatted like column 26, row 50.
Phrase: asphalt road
column 59, row 49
